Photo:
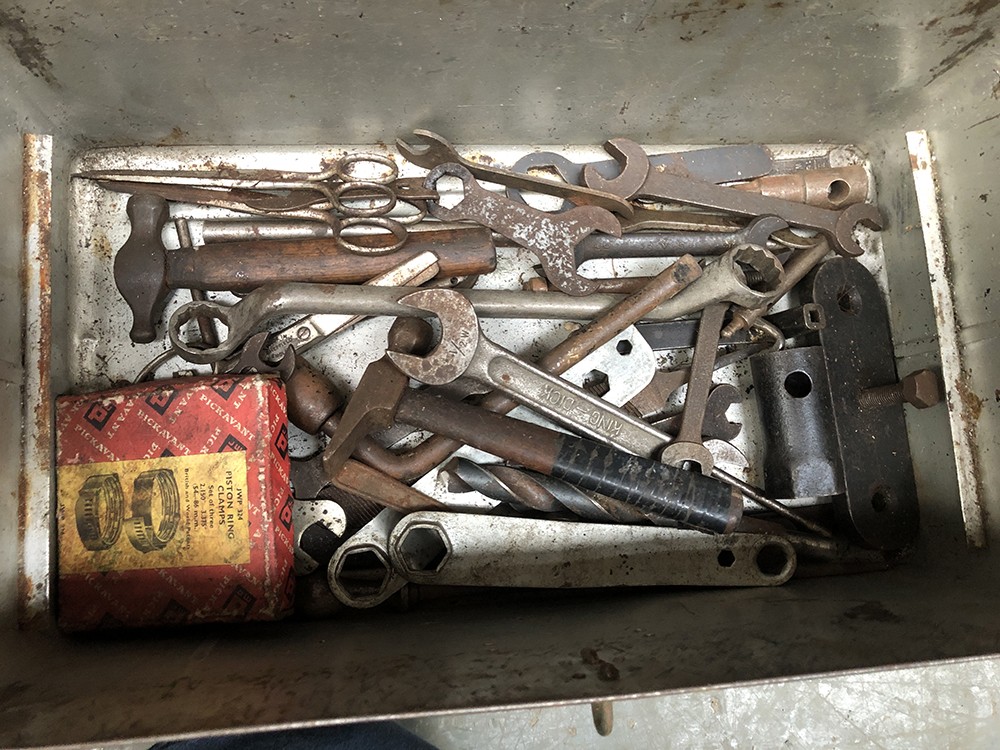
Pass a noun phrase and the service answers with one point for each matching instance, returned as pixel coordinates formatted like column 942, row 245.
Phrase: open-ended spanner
column 433, row 150
column 552, row 237
column 715, row 424
column 688, row 446
column 315, row 329
column 717, row 164
column 464, row 351
column 723, row 280
column 838, row 226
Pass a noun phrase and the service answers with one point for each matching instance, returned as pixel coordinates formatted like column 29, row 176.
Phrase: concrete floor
column 937, row 707
column 948, row 705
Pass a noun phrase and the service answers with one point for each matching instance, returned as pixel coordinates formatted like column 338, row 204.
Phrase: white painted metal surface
column 963, row 405
column 36, row 518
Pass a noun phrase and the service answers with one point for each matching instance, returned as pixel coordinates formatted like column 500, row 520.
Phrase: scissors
column 330, row 196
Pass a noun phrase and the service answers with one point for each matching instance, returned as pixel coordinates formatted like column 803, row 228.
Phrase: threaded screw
column 920, row 389
column 883, row 395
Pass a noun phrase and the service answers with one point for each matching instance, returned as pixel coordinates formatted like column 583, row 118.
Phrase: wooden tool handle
column 242, row 266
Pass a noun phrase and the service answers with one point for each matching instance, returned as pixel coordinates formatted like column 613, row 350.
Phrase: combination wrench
column 836, row 225
column 723, row 280
column 464, row 351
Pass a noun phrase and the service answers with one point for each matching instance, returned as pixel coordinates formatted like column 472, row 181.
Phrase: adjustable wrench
column 552, row 237
column 837, row 225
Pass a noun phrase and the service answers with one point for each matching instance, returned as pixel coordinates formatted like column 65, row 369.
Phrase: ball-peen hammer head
column 140, row 268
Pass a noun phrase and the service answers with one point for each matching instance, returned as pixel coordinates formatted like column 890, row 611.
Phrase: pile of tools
column 591, row 469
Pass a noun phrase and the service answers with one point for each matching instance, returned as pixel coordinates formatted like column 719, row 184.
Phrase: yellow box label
column 170, row 512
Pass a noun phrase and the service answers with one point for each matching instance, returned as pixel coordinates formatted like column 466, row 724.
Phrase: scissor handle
column 383, row 203
column 352, row 244
column 343, row 172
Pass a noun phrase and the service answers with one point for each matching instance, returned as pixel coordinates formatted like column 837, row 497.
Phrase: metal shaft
column 722, row 281
column 461, row 549
column 671, row 244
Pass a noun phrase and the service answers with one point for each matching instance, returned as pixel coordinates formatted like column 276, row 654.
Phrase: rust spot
column 101, row 246
column 978, row 7
column 175, row 136
column 972, row 404
column 27, row 47
column 590, row 657
column 606, row 671
column 35, row 274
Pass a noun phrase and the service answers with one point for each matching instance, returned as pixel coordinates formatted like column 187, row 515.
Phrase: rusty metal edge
column 961, row 416
column 35, row 517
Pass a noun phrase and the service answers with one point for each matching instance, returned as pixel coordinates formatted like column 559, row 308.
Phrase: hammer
column 383, row 396
column 313, row 403
column 145, row 271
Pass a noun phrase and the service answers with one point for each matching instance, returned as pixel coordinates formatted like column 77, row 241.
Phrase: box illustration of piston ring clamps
column 173, row 504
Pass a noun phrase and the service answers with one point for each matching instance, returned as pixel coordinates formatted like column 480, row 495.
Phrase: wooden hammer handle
column 242, row 266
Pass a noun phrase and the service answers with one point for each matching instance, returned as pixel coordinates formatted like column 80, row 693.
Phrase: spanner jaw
column 865, row 214
column 432, row 150
column 629, row 181
column 459, row 338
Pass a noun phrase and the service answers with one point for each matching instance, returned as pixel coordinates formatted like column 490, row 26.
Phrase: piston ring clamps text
column 141, row 532
column 100, row 510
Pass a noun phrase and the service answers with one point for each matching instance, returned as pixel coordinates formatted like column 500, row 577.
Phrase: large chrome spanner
column 464, row 351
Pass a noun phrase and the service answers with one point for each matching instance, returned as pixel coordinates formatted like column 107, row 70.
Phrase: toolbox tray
column 566, row 73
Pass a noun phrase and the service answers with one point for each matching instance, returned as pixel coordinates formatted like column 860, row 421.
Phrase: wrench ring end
column 191, row 311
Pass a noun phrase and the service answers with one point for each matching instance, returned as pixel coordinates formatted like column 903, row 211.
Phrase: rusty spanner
column 716, row 164
column 552, row 237
column 433, row 151
column 837, row 226
column 688, row 446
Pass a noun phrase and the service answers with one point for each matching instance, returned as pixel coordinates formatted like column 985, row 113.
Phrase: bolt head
column 922, row 389
column 536, row 284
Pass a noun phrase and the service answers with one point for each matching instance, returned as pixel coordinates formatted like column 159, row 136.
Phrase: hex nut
column 922, row 389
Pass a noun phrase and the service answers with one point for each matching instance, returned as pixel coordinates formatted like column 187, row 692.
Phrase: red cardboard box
column 173, row 504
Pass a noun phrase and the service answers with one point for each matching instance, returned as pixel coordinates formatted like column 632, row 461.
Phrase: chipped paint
column 35, row 483
column 964, row 406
